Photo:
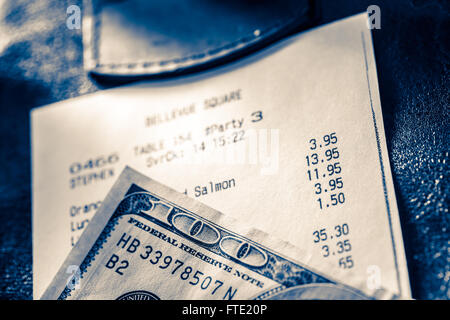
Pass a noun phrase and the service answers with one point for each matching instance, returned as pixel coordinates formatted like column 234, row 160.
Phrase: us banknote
column 289, row 140
column 150, row 242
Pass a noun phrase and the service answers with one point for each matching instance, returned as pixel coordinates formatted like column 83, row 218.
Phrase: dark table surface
column 41, row 63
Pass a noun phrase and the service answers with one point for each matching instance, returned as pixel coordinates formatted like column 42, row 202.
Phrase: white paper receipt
column 289, row 141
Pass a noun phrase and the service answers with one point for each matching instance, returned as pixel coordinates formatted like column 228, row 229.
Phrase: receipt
column 289, row 141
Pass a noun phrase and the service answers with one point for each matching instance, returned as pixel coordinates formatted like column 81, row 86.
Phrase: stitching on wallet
column 182, row 60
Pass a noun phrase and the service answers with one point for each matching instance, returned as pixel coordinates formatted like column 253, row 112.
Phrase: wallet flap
column 148, row 38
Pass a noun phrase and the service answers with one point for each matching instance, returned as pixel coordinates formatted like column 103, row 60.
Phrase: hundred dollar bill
column 289, row 140
column 150, row 242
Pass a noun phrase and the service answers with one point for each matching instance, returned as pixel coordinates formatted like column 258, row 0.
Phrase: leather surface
column 141, row 37
column 41, row 61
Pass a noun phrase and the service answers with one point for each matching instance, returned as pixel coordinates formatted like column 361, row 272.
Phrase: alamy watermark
column 73, row 20
column 373, row 277
column 374, row 20
column 73, row 281
column 255, row 148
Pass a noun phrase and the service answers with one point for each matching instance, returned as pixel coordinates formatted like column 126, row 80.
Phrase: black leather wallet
column 133, row 38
